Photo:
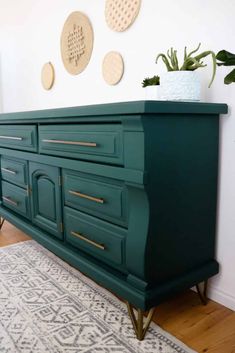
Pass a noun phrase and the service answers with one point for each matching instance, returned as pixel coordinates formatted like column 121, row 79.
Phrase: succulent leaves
column 153, row 81
column 190, row 63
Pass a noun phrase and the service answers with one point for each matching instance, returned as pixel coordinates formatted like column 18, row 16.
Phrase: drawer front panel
column 23, row 137
column 97, row 196
column 102, row 143
column 14, row 171
column 16, row 199
column 98, row 238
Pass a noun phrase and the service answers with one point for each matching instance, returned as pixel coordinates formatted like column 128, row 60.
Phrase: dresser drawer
column 14, row 171
column 16, row 199
column 23, row 137
column 96, row 237
column 96, row 195
column 103, row 143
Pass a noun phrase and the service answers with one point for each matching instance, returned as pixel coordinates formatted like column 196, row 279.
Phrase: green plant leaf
column 165, row 60
column 203, row 55
column 191, row 64
column 230, row 78
column 214, row 68
column 228, row 62
column 176, row 60
column 185, row 53
column 195, row 50
column 224, row 55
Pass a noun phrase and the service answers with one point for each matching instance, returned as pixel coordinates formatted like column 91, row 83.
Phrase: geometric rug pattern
column 47, row 306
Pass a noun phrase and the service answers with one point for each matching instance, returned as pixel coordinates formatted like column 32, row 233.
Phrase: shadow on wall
column 1, row 99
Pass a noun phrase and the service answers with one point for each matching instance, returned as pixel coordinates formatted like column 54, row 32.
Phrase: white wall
column 30, row 36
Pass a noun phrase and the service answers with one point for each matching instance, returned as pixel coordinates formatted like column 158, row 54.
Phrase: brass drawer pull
column 11, row 138
column 12, row 202
column 96, row 199
column 79, row 143
column 80, row 236
column 8, row 170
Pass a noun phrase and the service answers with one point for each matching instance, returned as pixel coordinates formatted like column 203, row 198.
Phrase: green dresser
column 126, row 192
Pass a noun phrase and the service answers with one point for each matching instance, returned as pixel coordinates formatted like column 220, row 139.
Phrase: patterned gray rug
column 48, row 306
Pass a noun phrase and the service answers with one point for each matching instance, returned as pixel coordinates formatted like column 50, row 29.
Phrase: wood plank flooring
column 207, row 329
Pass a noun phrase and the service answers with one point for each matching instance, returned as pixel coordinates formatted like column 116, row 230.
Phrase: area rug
column 48, row 306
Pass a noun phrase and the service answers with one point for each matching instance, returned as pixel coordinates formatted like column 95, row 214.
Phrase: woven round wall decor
column 120, row 14
column 76, row 42
column 47, row 76
column 113, row 67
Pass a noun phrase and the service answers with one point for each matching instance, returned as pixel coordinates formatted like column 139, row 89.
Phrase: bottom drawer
column 98, row 238
column 16, row 199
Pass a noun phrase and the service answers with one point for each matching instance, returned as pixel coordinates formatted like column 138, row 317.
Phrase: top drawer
column 23, row 137
column 102, row 143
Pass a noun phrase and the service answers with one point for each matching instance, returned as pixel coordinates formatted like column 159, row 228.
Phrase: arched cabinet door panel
column 46, row 197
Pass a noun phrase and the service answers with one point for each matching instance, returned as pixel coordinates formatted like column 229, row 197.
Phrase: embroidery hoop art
column 47, row 76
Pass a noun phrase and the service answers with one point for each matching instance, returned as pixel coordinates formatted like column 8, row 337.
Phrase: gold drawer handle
column 12, row 202
column 82, row 237
column 96, row 199
column 11, row 138
column 8, row 170
column 79, row 143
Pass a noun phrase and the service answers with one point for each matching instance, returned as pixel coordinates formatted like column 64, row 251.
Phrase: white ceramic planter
column 180, row 85
column 152, row 92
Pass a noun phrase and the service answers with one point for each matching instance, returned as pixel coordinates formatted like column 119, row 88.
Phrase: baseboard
column 221, row 297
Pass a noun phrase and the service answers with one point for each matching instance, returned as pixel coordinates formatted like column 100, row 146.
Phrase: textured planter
column 152, row 92
column 180, row 85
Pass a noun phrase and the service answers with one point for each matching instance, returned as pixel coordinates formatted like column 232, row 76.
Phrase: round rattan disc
column 113, row 67
column 76, row 42
column 47, row 75
column 120, row 14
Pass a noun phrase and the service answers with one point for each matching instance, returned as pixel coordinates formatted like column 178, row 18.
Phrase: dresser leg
column 139, row 324
column 202, row 292
column 2, row 220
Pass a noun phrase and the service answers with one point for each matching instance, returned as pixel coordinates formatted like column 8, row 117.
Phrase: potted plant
column 182, row 82
column 151, row 86
column 227, row 59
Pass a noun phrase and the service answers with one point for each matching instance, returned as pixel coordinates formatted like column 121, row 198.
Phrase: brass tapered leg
column 202, row 292
column 138, row 323
column 2, row 220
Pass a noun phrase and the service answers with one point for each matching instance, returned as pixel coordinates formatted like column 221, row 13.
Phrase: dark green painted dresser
column 126, row 192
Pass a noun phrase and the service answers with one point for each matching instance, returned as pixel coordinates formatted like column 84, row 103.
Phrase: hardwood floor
column 11, row 235
column 209, row 328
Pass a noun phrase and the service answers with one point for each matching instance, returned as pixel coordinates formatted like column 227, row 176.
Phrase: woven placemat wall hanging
column 113, row 67
column 120, row 14
column 76, row 42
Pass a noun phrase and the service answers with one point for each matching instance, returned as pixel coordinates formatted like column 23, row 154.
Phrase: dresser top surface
column 120, row 108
